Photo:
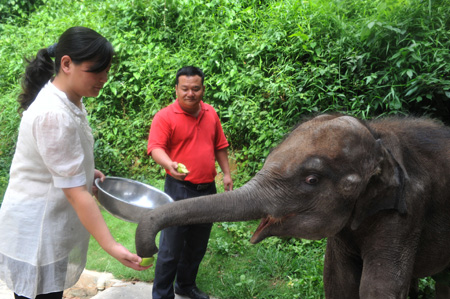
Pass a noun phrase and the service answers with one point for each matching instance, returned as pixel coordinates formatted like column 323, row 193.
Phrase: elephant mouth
column 265, row 223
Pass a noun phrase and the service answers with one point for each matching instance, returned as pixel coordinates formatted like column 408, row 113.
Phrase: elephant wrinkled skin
column 379, row 191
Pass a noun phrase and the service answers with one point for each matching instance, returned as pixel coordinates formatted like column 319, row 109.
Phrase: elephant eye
column 312, row 180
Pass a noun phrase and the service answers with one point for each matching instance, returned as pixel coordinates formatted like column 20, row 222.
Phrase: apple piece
column 182, row 168
column 147, row 261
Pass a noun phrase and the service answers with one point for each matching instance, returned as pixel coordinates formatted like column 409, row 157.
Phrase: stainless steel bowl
column 128, row 199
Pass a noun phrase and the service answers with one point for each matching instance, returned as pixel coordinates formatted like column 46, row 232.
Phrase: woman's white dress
column 43, row 245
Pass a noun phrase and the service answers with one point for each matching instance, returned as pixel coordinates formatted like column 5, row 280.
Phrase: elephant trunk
column 228, row 207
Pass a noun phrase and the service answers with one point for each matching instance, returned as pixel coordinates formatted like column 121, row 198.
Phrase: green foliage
column 267, row 65
column 16, row 10
column 9, row 121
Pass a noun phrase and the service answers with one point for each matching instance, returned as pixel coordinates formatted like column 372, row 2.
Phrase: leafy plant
column 9, row 120
column 16, row 10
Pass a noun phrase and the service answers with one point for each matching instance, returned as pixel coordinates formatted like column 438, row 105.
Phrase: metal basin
column 128, row 199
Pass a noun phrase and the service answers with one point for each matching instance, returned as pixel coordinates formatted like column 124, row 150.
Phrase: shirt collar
column 62, row 95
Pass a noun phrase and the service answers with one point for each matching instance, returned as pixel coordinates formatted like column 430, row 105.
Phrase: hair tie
column 52, row 50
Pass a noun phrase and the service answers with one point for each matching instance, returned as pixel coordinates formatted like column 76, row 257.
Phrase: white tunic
column 43, row 244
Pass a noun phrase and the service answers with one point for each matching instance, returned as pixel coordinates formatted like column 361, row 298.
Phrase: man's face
column 189, row 92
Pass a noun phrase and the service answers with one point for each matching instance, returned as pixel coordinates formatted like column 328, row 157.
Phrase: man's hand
column 222, row 158
column 173, row 168
column 161, row 157
column 227, row 182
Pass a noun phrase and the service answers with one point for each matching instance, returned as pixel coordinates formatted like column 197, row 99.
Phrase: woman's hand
column 123, row 255
column 97, row 175
column 90, row 216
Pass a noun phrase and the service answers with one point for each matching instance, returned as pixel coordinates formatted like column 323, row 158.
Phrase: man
column 189, row 132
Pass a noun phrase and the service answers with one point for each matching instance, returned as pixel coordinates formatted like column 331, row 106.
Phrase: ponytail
column 37, row 74
column 80, row 44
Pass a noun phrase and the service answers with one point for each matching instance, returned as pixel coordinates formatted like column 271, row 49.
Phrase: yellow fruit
column 182, row 169
column 147, row 261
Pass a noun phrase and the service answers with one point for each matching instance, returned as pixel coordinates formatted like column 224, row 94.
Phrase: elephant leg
column 442, row 291
column 342, row 272
column 386, row 276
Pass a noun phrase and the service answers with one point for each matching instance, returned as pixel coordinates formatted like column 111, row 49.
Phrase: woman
column 48, row 211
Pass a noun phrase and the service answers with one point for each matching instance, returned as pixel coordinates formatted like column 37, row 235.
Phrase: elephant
column 378, row 190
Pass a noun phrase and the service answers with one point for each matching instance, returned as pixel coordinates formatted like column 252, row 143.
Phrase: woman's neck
column 61, row 85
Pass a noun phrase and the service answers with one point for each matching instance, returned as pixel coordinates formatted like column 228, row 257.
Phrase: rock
column 89, row 284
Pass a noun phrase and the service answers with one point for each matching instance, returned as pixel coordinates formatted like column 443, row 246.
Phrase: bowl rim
column 98, row 182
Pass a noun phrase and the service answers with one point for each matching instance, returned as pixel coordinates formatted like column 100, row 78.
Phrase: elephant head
column 330, row 172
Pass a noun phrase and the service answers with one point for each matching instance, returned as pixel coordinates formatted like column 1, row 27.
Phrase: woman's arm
column 90, row 216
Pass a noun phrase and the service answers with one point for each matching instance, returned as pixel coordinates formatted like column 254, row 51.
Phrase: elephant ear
column 385, row 189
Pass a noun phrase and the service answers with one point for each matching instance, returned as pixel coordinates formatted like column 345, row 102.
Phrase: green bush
column 15, row 11
column 267, row 65
column 9, row 120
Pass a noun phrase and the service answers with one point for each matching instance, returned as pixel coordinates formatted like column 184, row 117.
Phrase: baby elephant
column 379, row 191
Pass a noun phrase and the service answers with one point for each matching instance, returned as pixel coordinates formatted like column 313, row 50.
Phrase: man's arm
column 222, row 159
column 161, row 157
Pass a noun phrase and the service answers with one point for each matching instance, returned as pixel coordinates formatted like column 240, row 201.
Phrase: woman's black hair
column 80, row 44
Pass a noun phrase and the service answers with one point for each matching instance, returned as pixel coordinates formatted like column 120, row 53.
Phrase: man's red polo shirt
column 189, row 140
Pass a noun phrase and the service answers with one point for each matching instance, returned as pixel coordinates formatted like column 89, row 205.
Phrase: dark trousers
column 181, row 248
column 57, row 295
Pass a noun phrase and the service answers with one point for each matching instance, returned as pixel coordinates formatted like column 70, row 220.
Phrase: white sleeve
column 59, row 145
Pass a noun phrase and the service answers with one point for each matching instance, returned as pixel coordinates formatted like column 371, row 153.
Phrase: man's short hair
column 190, row 71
